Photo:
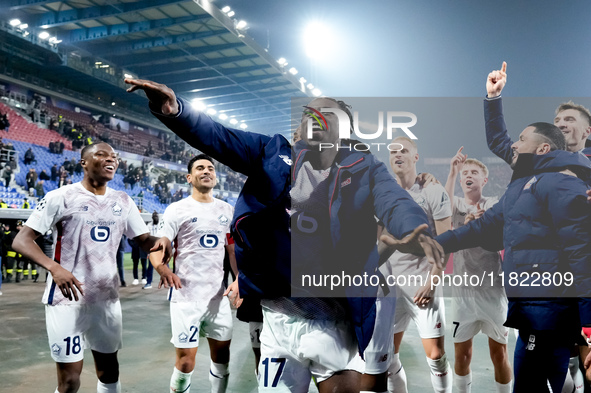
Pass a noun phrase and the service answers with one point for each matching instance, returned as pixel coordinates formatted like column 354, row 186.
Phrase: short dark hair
column 198, row 157
column 551, row 134
column 86, row 148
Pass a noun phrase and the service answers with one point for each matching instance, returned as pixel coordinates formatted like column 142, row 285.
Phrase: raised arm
column 497, row 137
column 238, row 149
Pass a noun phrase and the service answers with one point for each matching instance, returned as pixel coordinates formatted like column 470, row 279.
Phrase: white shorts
column 293, row 349
column 380, row 349
column 430, row 320
column 255, row 333
column 75, row 327
column 475, row 312
column 190, row 320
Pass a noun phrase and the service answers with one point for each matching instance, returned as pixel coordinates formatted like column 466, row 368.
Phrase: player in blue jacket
column 575, row 123
column 331, row 197
column 543, row 222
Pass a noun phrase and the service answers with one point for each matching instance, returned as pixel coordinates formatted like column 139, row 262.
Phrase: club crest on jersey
column 116, row 209
column 223, row 220
column 56, row 349
column 530, row 183
column 183, row 337
column 286, row 159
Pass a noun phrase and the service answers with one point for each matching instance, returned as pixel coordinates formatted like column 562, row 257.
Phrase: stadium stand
column 24, row 134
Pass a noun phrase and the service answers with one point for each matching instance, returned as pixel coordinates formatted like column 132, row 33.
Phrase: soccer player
column 199, row 225
column 416, row 300
column 313, row 336
column 82, row 297
column 543, row 223
column 482, row 308
column 575, row 123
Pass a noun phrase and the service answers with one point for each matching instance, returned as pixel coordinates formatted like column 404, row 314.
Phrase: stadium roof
column 192, row 46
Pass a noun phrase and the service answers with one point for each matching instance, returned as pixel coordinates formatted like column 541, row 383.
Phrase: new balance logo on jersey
column 286, row 159
column 116, row 209
column 383, row 358
column 56, row 349
column 183, row 337
column 346, row 182
column 84, row 208
column 438, row 325
column 100, row 234
column 194, row 219
column 223, row 219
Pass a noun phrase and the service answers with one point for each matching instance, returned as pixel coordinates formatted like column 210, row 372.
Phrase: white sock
column 180, row 382
column 218, row 377
column 108, row 387
column 56, row 391
column 576, row 374
column 441, row 378
column 396, row 376
column 569, row 385
column 504, row 387
column 463, row 382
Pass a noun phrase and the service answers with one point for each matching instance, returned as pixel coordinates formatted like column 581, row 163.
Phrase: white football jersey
column 473, row 261
column 200, row 232
column 436, row 204
column 87, row 230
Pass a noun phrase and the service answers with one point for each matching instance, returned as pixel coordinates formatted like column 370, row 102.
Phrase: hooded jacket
column 361, row 188
column 543, row 222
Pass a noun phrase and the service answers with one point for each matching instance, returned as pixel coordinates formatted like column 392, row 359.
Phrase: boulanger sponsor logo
column 100, row 234
column 183, row 337
column 209, row 241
